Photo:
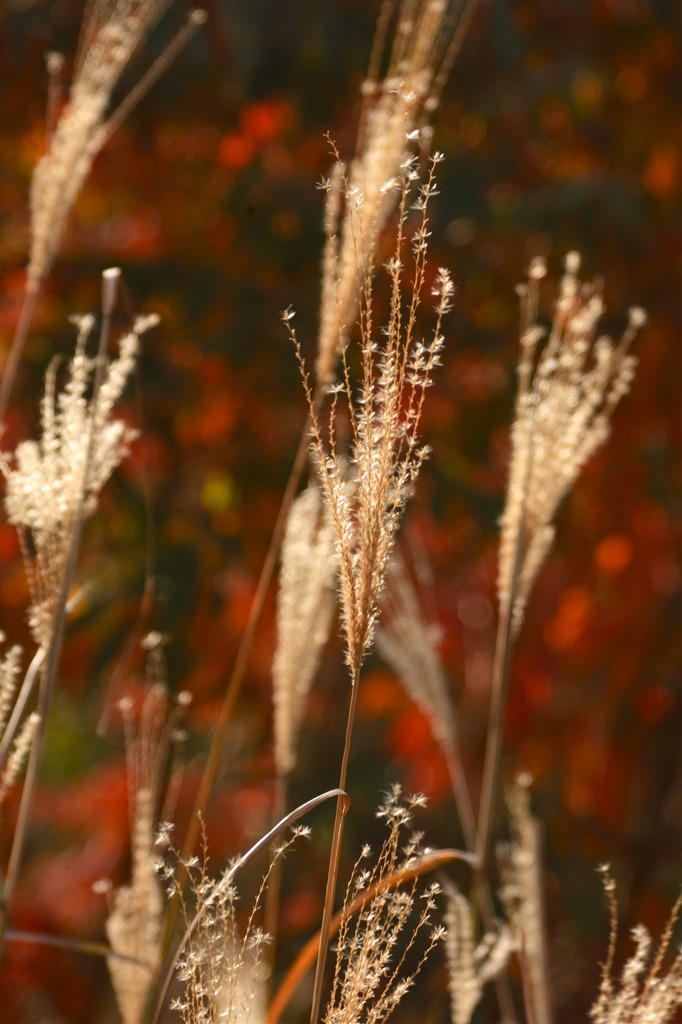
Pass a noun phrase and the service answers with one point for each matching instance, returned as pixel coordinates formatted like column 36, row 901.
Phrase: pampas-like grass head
column 386, row 454
column 566, row 397
column 305, row 609
column 49, row 480
column 370, row 978
column 111, row 34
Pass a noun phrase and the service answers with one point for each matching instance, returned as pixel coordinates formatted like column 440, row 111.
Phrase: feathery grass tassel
column 305, row 608
column 134, row 924
column 521, row 862
column 305, row 612
column 398, row 102
column 470, row 965
column 645, row 994
column 111, row 34
column 566, row 396
column 385, row 459
column 53, row 486
column 371, row 976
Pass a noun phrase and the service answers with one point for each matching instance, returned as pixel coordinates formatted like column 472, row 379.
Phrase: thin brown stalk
column 461, row 796
column 504, row 645
column 9, row 370
column 85, row 946
column 566, row 395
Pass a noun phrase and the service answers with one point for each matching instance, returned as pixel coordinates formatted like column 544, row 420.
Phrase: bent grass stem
column 341, row 808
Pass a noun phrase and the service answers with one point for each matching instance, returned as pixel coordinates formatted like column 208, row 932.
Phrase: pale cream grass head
column 398, row 101
column 48, row 480
column 566, row 396
column 470, row 965
column 521, row 892
column 385, row 451
column 646, row 994
column 136, row 910
column 113, row 30
column 371, row 976
column 409, row 643
column 305, row 609
column 221, row 964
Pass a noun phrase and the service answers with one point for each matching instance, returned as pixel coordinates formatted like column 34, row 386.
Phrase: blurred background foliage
column 560, row 128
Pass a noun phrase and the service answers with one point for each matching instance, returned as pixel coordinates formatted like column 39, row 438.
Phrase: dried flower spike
column 111, row 34
column 305, row 608
column 470, row 966
column 50, row 478
column 566, row 396
column 645, row 994
column 371, row 977
column 386, row 455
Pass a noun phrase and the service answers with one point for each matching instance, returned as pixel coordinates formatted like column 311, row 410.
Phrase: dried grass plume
column 566, row 396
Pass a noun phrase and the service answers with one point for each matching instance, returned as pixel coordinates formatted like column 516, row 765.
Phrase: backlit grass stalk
column 443, row 28
column 366, row 493
column 53, row 488
column 523, row 896
column 646, row 994
column 471, row 964
column 566, row 396
column 134, row 924
column 111, row 34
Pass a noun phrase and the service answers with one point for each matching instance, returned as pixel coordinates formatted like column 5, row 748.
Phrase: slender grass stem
column 237, row 678
column 272, row 897
column 11, row 366
column 341, row 808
